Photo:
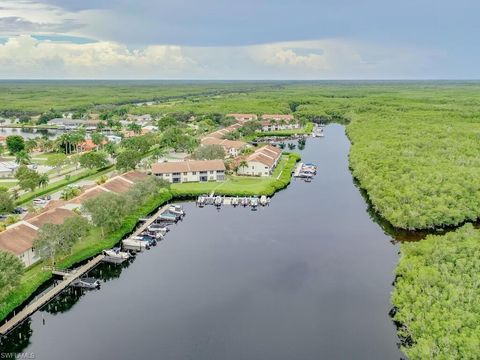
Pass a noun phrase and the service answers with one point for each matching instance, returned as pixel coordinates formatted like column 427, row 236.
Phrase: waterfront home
column 260, row 163
column 231, row 147
column 221, row 133
column 243, row 118
column 278, row 122
column 190, row 171
column 18, row 238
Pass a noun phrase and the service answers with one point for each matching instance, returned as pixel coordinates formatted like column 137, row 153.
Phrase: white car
column 39, row 201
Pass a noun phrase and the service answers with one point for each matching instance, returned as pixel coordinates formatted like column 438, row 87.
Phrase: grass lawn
column 243, row 185
column 51, row 188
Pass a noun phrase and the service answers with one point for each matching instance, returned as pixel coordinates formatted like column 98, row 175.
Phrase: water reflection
column 308, row 277
column 18, row 339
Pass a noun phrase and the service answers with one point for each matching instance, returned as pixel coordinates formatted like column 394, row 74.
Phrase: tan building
column 278, row 122
column 262, row 162
column 190, row 171
column 18, row 238
column 243, row 118
column 232, row 147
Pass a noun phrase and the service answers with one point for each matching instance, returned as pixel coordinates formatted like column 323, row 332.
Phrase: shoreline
column 20, row 298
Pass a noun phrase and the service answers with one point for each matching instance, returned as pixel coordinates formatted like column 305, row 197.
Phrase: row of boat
column 218, row 201
column 305, row 171
column 318, row 131
column 156, row 231
column 148, row 238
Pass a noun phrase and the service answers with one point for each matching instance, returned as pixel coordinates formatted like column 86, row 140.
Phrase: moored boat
column 86, row 283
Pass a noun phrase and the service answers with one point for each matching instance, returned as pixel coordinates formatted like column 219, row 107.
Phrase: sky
column 239, row 40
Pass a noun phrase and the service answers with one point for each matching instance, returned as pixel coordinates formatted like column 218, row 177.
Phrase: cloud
column 32, row 57
column 27, row 17
column 27, row 57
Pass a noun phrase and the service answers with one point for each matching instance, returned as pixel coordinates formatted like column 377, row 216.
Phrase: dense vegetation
column 437, row 296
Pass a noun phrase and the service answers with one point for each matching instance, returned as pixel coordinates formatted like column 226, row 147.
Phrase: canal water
column 308, row 277
column 30, row 133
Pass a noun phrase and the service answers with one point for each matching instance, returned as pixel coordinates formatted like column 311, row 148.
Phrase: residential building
column 279, row 122
column 260, row 163
column 243, row 118
column 19, row 238
column 232, row 148
column 190, row 171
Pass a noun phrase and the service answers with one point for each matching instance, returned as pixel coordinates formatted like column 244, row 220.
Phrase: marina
column 273, row 284
column 245, row 201
column 140, row 240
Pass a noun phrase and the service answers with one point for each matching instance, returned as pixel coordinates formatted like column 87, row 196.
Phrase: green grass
column 243, row 185
column 437, row 296
column 51, row 188
column 35, row 275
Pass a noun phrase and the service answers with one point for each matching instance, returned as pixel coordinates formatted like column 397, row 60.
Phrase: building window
column 211, row 172
column 194, row 173
column 176, row 173
column 185, row 173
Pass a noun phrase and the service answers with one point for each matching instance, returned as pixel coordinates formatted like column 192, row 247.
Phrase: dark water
column 30, row 133
column 308, row 277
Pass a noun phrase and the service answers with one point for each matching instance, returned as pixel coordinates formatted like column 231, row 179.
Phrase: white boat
column 254, row 202
column 86, row 283
column 244, row 201
column 155, row 234
column 167, row 216
column 177, row 210
column 116, row 254
column 235, row 201
column 157, row 228
column 263, row 200
column 218, row 201
column 135, row 245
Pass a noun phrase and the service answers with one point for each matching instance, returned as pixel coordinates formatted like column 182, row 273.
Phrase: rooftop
column 187, row 166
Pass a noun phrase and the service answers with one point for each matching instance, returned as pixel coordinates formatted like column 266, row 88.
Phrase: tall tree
column 107, row 211
column 23, row 158
column 11, row 270
column 28, row 179
column 93, row 160
column 128, row 160
column 15, row 143
column 7, row 203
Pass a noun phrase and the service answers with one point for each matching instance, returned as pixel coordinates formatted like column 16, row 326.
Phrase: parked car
column 39, row 201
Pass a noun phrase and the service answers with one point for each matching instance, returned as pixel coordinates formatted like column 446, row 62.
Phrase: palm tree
column 242, row 164
column 23, row 158
column 31, row 144
column 43, row 180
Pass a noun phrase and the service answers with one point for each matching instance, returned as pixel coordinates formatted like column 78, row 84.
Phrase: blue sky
column 249, row 39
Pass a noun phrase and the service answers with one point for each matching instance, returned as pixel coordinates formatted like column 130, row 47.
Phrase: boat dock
column 298, row 169
column 68, row 278
column 150, row 220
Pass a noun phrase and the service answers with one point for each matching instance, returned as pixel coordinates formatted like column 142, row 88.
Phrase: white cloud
column 25, row 16
column 26, row 57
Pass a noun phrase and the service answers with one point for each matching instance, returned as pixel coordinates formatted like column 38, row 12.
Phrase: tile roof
column 266, row 155
column 17, row 239
column 287, row 117
column 228, row 144
column 54, row 216
column 186, row 166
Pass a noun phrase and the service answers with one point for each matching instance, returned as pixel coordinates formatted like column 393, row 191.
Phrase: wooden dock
column 150, row 220
column 68, row 278
column 297, row 170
